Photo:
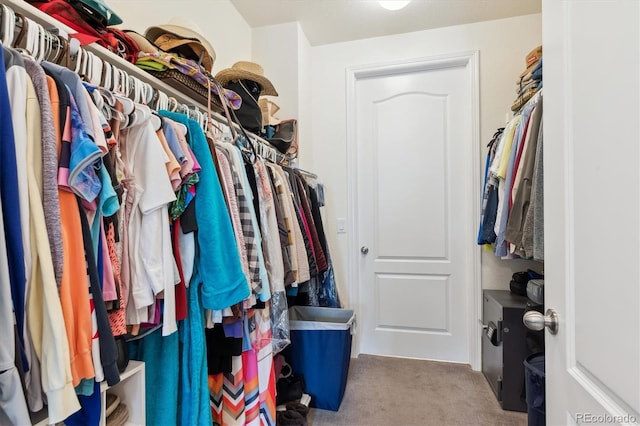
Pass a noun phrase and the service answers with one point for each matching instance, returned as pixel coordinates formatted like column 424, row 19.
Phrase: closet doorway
column 413, row 152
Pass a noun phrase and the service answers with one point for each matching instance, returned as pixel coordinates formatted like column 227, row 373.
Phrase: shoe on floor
column 290, row 418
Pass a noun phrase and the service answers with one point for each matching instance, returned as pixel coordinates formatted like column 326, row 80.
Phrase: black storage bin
column 534, row 375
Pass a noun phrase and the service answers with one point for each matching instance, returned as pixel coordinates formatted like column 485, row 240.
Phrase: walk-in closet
column 242, row 212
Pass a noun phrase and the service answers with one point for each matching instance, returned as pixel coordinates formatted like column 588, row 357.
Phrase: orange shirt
column 74, row 290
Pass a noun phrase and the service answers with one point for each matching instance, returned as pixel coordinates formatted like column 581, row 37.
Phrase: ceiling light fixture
column 394, row 4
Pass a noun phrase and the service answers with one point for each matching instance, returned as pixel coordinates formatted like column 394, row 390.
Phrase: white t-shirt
column 149, row 232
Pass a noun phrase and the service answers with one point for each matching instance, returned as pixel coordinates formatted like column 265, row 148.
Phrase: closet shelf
column 49, row 22
column 130, row 389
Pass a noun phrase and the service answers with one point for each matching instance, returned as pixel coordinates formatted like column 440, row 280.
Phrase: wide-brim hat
column 182, row 32
column 269, row 110
column 143, row 43
column 245, row 70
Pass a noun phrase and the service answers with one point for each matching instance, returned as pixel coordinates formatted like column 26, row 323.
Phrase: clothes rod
column 306, row 173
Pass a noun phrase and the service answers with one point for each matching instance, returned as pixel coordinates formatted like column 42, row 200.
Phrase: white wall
column 275, row 48
column 285, row 54
column 503, row 45
column 305, row 85
column 219, row 21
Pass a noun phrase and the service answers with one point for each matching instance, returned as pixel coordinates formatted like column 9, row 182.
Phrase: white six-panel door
column 592, row 209
column 414, row 130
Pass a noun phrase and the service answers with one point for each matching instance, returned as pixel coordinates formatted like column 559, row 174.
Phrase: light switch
column 341, row 225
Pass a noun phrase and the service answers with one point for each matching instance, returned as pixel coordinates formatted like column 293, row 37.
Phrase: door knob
column 536, row 321
column 364, row 250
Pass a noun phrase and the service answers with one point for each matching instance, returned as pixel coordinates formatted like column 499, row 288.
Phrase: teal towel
column 217, row 258
column 160, row 355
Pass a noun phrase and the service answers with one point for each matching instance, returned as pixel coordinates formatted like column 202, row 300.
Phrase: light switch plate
column 341, row 225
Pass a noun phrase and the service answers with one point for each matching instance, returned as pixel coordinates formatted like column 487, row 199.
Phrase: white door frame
column 469, row 60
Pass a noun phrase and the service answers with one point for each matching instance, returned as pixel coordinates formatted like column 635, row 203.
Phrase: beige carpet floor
column 404, row 392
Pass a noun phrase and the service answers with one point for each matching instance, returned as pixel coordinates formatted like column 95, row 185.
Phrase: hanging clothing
column 15, row 202
column 74, row 293
column 13, row 406
column 521, row 204
column 513, row 161
column 45, row 320
column 220, row 270
column 50, row 201
column 112, row 226
column 533, row 228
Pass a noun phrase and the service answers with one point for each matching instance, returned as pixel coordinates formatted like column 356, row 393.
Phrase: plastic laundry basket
column 534, row 375
column 320, row 351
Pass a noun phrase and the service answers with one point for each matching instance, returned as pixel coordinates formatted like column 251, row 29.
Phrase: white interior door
column 414, row 130
column 592, row 213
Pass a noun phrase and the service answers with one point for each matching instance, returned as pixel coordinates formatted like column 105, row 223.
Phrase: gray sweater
column 50, row 198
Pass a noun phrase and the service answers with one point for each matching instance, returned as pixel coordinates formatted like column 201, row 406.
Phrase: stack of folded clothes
column 530, row 81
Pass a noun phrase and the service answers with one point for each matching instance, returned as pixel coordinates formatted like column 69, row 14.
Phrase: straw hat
column 119, row 416
column 180, row 32
column 143, row 43
column 245, row 70
column 269, row 109
column 113, row 401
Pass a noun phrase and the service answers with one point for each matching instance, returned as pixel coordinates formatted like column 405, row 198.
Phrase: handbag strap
column 245, row 152
column 209, row 138
column 223, row 101
column 231, row 123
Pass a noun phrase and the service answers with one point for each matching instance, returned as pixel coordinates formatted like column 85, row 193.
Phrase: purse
column 188, row 86
column 285, row 137
column 249, row 115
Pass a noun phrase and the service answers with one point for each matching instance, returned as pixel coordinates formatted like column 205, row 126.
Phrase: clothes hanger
column 199, row 117
column 116, row 85
column 87, row 67
column 107, row 72
column 183, row 128
column 73, row 50
column 128, row 105
column 109, row 101
column 96, row 69
column 172, row 104
column 20, row 37
column 148, row 93
column 77, row 60
column 183, row 109
column 63, row 44
column 141, row 113
column 211, row 122
column 8, row 25
column 162, row 102
column 37, row 34
column 53, row 42
column 31, row 40
column 156, row 121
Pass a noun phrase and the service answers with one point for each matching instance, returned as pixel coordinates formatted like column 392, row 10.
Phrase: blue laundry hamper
column 320, row 351
column 534, row 385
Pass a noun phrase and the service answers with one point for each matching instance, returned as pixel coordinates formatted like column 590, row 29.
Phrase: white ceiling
column 330, row 21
